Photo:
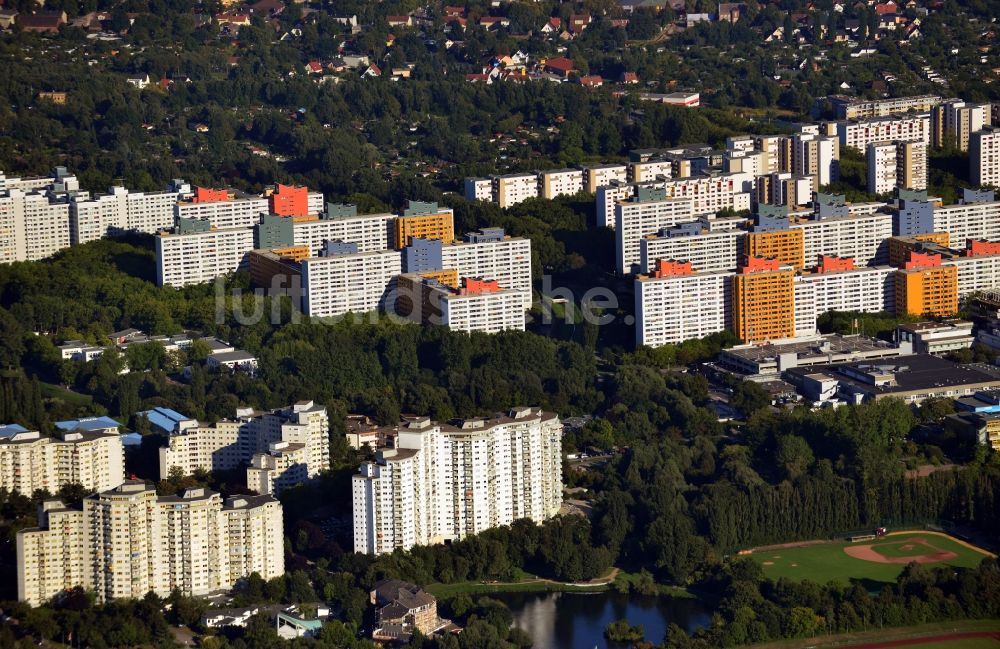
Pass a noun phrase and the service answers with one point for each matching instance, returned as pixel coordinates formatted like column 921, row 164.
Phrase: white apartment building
column 127, row 541
column 954, row 120
column 560, row 182
column 488, row 312
column 32, row 226
column 858, row 134
column 95, row 218
column 896, row 164
column 851, row 108
column 866, row 289
column 675, row 308
column 30, row 461
column 968, row 221
column 196, row 257
column 710, row 194
column 984, row 157
column 284, row 465
column 607, row 196
column 478, row 189
column 816, row 156
column 445, row 482
column 777, row 152
column 349, row 283
column 859, row 236
column 231, row 444
column 236, row 213
column 635, row 219
column 707, row 251
column 639, row 172
column 602, row 175
column 979, row 273
column 370, row 232
column 508, row 261
column 511, row 189
column 150, row 212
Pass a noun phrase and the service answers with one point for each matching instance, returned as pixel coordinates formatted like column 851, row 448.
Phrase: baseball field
column 873, row 560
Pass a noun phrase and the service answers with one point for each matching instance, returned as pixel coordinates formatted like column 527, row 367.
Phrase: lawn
column 828, row 561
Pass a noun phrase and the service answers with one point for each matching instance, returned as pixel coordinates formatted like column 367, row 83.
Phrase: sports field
column 875, row 561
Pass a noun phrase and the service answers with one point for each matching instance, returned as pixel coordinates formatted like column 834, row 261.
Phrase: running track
column 915, row 642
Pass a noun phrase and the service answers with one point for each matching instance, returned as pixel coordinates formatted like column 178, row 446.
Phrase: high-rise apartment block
column 511, row 189
column 816, row 156
column 445, row 482
column 470, row 305
column 954, row 121
column 349, row 282
column 87, row 452
column 673, row 304
column 648, row 212
column 858, row 134
column 560, row 182
column 232, row 444
column 984, row 157
column 127, row 541
column 924, row 286
column 763, row 297
column 200, row 255
column 424, row 221
column 896, row 165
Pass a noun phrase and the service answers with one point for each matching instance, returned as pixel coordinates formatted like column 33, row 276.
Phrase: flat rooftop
column 814, row 347
column 911, row 373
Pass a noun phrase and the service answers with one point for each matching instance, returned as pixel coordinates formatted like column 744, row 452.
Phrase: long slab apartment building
column 908, row 268
column 127, row 541
column 447, row 481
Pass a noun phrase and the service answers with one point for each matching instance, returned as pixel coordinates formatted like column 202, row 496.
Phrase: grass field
column 921, row 636
column 828, row 561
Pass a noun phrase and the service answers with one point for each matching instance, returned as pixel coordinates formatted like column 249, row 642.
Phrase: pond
column 577, row 620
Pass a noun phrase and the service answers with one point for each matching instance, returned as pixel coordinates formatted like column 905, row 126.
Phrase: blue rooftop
column 9, row 430
column 88, row 423
column 131, row 439
column 164, row 418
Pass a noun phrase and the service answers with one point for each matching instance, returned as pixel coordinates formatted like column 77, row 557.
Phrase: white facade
column 896, row 164
column 869, row 290
column 984, row 157
column 816, row 156
column 196, row 257
column 349, row 283
column 371, row 232
column 560, row 182
column 31, row 226
column 238, row 213
column 650, row 170
column 30, row 461
column 861, row 237
column 976, row 274
column 634, row 220
column 231, row 444
column 710, row 194
column 858, row 134
column 602, row 175
column 449, row 481
column 707, row 252
column 513, row 188
column 607, row 196
column 478, row 189
column 970, row 221
column 284, row 465
column 128, row 541
column 677, row 308
column 150, row 212
column 507, row 261
column 95, row 218
column 488, row 312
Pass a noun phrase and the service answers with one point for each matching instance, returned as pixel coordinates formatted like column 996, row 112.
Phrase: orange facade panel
column 787, row 246
column 764, row 305
column 927, row 291
column 425, row 226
